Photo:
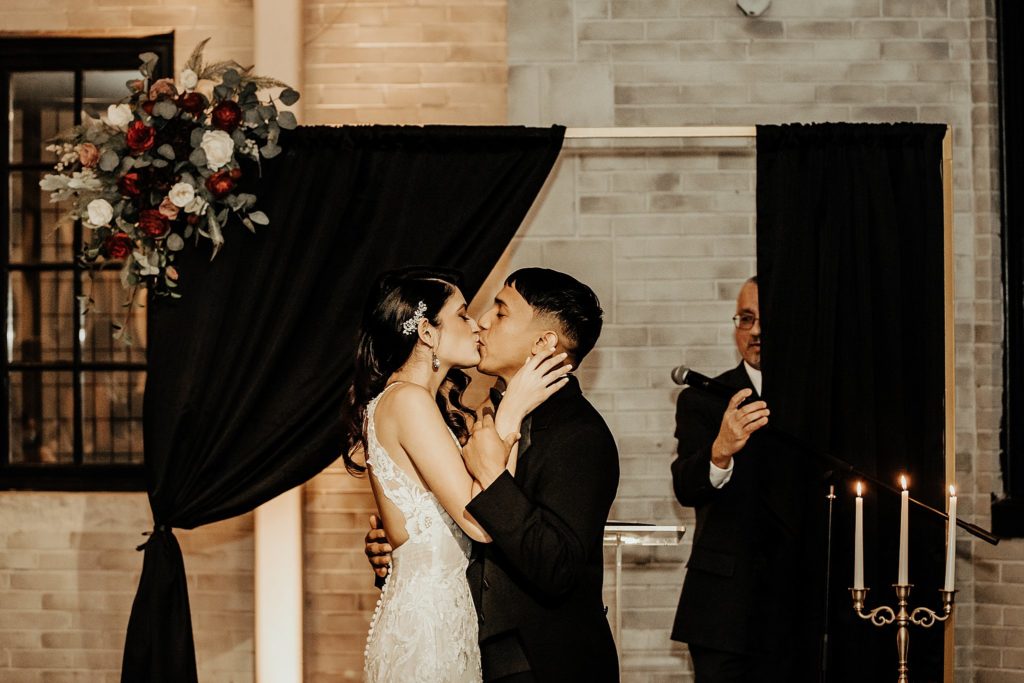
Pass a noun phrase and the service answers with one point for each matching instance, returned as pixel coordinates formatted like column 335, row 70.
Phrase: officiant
column 743, row 568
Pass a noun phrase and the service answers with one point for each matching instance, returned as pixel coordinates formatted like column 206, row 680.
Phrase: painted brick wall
column 68, row 573
column 667, row 235
column 405, row 61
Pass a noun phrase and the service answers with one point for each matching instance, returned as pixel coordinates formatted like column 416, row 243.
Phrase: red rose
column 152, row 222
column 226, row 116
column 118, row 246
column 140, row 137
column 236, row 173
column 220, row 183
column 129, row 184
column 147, row 106
column 192, row 102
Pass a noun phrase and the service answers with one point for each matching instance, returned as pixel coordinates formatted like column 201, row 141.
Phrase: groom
column 537, row 586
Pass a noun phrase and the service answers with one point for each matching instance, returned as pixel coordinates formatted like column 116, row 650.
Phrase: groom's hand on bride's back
column 378, row 550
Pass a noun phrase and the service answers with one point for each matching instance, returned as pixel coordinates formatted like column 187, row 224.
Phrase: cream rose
column 189, row 79
column 181, row 194
column 119, row 115
column 100, row 212
column 219, row 148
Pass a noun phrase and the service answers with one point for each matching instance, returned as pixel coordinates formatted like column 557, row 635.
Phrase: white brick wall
column 677, row 227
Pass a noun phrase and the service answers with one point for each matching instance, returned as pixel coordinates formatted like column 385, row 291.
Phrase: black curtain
column 850, row 269
column 247, row 369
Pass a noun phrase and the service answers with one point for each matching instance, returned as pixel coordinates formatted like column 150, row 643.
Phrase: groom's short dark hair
column 567, row 300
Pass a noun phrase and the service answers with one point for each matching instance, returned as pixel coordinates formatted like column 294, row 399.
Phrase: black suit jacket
column 740, row 573
column 537, row 586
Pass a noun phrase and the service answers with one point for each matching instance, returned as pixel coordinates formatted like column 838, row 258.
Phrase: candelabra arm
column 880, row 616
column 926, row 618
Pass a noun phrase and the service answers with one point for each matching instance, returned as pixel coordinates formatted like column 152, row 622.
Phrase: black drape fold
column 247, row 370
column 850, row 269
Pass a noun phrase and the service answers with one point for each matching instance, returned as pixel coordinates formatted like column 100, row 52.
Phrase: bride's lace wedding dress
column 425, row 626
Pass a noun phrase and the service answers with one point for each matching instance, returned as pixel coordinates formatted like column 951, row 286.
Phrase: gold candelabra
column 885, row 615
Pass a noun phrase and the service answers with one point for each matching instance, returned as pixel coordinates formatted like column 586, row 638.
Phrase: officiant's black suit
column 537, row 586
column 741, row 571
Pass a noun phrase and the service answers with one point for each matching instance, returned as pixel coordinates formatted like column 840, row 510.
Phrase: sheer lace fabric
column 425, row 626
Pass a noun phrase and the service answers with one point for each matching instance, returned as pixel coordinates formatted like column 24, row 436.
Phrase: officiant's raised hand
column 486, row 454
column 378, row 550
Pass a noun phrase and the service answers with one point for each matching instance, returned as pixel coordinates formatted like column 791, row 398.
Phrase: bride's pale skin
column 420, row 443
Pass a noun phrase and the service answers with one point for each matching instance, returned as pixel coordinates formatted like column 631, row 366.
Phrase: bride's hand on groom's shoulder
column 541, row 376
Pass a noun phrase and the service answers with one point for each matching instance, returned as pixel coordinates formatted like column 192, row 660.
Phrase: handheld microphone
column 684, row 375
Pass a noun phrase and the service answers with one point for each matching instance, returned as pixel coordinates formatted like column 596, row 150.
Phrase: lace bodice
column 425, row 624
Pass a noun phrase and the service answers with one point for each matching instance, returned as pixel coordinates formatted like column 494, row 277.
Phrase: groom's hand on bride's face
column 378, row 550
column 486, row 453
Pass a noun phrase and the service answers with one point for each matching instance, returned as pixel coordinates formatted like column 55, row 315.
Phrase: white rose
column 181, row 194
column 119, row 115
column 219, row 148
column 100, row 212
column 189, row 79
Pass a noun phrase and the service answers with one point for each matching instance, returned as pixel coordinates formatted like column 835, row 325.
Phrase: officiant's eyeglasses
column 744, row 321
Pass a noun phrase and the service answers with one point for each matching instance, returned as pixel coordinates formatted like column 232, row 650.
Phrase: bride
column 405, row 419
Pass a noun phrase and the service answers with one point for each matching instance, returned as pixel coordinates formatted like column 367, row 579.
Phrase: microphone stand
column 850, row 471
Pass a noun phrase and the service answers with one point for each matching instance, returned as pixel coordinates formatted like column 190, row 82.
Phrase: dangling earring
column 435, row 362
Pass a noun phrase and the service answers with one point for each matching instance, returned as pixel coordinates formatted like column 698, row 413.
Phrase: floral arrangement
column 165, row 165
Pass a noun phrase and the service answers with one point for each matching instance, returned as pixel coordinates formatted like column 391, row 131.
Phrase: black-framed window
column 72, row 409
column 1008, row 508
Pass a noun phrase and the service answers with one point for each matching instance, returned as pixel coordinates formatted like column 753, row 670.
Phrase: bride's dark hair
column 384, row 348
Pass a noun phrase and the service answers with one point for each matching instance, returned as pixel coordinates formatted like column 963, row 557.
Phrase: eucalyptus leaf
column 230, row 78
column 222, row 217
column 140, row 163
column 175, row 242
column 108, row 161
column 270, row 150
column 259, row 217
column 147, row 57
column 288, row 97
column 159, row 163
column 247, row 199
column 248, row 224
column 165, row 109
column 197, row 158
column 286, row 120
column 188, row 231
column 166, row 151
column 238, row 137
column 222, row 92
column 196, row 138
column 267, row 111
column 252, row 117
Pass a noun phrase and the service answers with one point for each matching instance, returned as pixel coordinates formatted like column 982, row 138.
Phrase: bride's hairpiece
column 412, row 324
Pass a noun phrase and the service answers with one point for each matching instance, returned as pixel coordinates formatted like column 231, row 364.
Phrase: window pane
column 42, row 105
column 41, row 417
column 112, row 414
column 107, row 308
column 100, row 89
column 40, row 323
column 38, row 233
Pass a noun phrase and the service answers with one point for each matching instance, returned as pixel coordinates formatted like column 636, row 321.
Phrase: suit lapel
column 525, row 441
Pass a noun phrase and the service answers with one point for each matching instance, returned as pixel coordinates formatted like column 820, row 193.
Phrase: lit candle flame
column 903, row 481
column 860, row 491
column 952, row 490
